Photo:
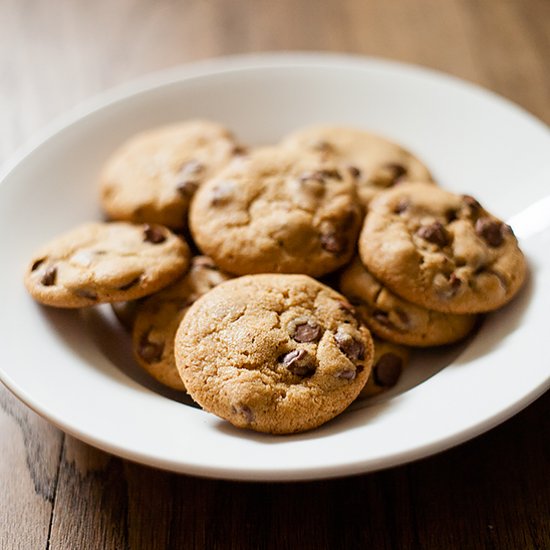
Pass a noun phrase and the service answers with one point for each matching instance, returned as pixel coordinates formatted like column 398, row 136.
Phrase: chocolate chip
column 471, row 202
column 150, row 352
column 153, row 234
column 130, row 284
column 490, row 231
column 387, row 370
column 37, row 264
column 401, row 206
column 331, row 174
column 451, row 215
column 243, row 410
column 86, row 293
column 349, row 346
column 321, row 175
column 354, row 172
column 309, row 331
column 221, row 194
column 187, row 188
column 323, row 147
column 455, row 282
column 315, row 176
column 334, row 243
column 49, row 277
column 434, row 233
column 403, row 317
column 239, row 150
column 347, row 307
column 295, row 362
column 382, row 317
column 389, row 174
column 349, row 220
column 347, row 374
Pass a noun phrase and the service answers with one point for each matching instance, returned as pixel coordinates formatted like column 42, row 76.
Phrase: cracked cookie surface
column 105, row 262
column 153, row 176
column 277, row 211
column 396, row 319
column 273, row 353
column 441, row 250
column 157, row 319
column 375, row 162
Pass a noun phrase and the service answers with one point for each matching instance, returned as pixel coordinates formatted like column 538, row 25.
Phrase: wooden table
column 55, row 492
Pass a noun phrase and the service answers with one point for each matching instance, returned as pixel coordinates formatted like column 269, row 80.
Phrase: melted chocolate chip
column 387, row 370
column 390, row 173
column 49, row 277
column 434, row 233
column 153, row 234
column 222, row 193
column 347, row 374
column 403, row 317
column 490, row 231
column 331, row 174
column 150, row 352
column 354, row 172
column 321, row 175
column 382, row 317
column 451, row 215
column 36, row 264
column 349, row 346
column 347, row 307
column 323, row 147
column 295, row 361
column 471, row 202
column 334, row 243
column 455, row 282
column 130, row 284
column 243, row 410
column 309, row 331
column 239, row 150
column 401, row 206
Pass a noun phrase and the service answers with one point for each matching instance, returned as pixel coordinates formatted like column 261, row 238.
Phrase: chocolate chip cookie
column 396, row 319
column 277, row 211
column 273, row 353
column 374, row 162
column 389, row 361
column 152, row 177
column 158, row 317
column 106, row 262
column 441, row 250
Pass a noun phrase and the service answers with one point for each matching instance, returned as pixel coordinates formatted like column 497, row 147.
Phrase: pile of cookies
column 278, row 284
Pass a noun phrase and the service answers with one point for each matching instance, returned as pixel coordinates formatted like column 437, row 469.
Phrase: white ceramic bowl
column 75, row 368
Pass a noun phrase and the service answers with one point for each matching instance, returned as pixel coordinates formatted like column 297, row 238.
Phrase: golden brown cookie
column 152, row 177
column 273, row 353
column 441, row 250
column 398, row 320
column 106, row 262
column 375, row 162
column 157, row 319
column 277, row 211
column 389, row 361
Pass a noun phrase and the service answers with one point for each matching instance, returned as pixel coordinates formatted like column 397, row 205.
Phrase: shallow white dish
column 74, row 369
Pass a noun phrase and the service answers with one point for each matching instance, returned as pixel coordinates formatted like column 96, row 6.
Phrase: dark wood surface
column 55, row 492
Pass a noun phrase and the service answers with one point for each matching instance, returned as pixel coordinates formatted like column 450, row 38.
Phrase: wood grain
column 493, row 492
